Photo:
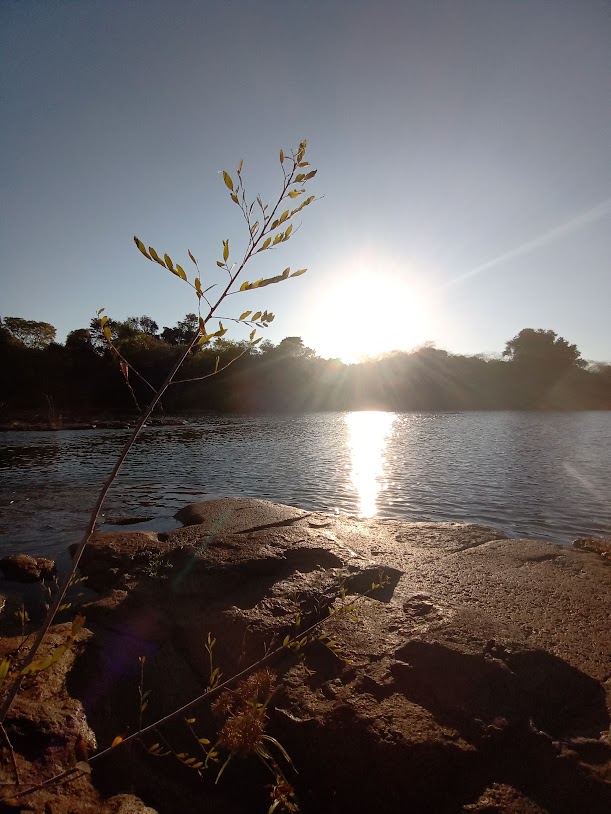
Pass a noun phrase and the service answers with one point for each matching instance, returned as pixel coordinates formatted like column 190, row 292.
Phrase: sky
column 463, row 151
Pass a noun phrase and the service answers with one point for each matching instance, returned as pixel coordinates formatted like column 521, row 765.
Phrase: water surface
column 528, row 474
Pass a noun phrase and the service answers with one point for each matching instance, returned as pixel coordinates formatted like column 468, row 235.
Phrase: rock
column 471, row 673
column 128, row 521
column 238, row 515
column 44, row 725
column 595, row 544
column 475, row 679
column 23, row 568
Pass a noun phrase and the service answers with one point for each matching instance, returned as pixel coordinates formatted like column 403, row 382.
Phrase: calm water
column 529, row 474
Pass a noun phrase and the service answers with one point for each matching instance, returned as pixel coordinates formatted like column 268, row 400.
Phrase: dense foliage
column 537, row 369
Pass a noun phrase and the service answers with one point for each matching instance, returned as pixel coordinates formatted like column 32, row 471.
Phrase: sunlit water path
column 529, row 474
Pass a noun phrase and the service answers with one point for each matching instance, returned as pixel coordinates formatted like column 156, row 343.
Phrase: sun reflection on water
column 369, row 433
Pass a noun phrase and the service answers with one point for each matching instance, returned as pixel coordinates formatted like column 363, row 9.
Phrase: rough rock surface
column 23, row 568
column 477, row 679
column 44, row 726
column 596, row 544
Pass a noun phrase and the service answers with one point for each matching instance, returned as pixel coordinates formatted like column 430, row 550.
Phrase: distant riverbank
column 38, row 422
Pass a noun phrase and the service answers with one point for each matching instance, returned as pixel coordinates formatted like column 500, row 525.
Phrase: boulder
column 23, row 568
column 48, row 731
column 474, row 677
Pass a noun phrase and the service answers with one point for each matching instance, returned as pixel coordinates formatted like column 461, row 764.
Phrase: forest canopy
column 537, row 370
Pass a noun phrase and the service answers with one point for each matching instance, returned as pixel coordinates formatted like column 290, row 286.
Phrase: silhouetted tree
column 541, row 347
column 543, row 367
column 31, row 333
column 143, row 324
column 293, row 346
column 79, row 341
column 182, row 332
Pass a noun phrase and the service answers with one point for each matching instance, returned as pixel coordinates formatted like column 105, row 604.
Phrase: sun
column 369, row 313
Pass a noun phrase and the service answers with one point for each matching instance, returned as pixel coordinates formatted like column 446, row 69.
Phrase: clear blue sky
column 463, row 150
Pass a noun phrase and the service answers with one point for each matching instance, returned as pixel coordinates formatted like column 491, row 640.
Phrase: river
column 542, row 475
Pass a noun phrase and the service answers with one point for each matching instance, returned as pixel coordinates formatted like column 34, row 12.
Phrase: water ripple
column 529, row 474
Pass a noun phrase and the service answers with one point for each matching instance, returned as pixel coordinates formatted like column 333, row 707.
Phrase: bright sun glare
column 369, row 432
column 368, row 314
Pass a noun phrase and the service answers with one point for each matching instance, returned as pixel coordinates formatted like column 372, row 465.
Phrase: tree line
column 536, row 370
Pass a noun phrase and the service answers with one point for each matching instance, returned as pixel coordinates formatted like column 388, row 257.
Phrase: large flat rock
column 476, row 679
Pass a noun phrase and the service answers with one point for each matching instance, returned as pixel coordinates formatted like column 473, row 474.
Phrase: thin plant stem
column 48, row 621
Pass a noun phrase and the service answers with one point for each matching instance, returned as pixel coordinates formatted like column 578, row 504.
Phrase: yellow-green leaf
column 198, row 285
column 168, row 262
column 142, row 248
column 256, row 316
column 295, row 193
column 245, row 314
column 284, row 216
column 227, row 180
column 107, row 333
column 240, row 166
column 180, row 272
column 155, row 256
column 245, row 286
column 288, row 231
column 4, row 667
column 225, row 250
column 278, row 238
column 265, row 244
column 192, row 258
column 298, row 273
column 310, row 175
column 286, row 273
column 103, row 321
column 234, row 197
column 282, row 156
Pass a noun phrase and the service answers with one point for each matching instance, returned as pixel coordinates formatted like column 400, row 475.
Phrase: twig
column 12, row 754
column 180, row 712
column 48, row 621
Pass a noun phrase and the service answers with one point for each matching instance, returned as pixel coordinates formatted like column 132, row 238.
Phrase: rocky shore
column 477, row 678
column 34, row 422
